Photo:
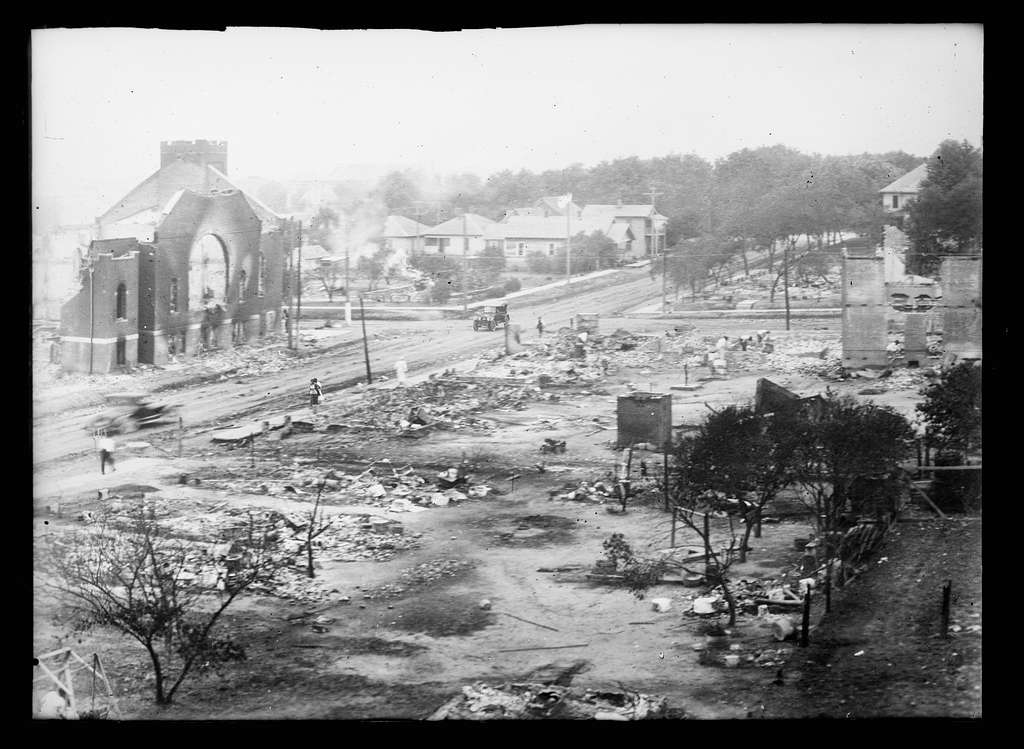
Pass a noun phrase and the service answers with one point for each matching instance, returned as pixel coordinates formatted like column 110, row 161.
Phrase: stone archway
column 207, row 273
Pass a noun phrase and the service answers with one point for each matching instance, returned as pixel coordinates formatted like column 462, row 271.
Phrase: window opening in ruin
column 121, row 302
column 207, row 273
column 261, row 276
column 243, row 286
column 172, row 299
column 122, row 357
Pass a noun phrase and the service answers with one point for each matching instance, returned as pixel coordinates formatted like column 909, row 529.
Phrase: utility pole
column 298, row 295
column 568, row 243
column 465, row 259
column 366, row 346
column 785, row 279
column 348, row 225
column 92, row 312
column 654, row 249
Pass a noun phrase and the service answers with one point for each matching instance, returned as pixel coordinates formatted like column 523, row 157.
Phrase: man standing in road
column 106, row 447
column 540, row 328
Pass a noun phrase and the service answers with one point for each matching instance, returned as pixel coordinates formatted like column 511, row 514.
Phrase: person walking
column 540, row 327
column 316, row 394
column 106, row 446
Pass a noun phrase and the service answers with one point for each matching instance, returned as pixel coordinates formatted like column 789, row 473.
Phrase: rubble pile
column 480, row 701
column 448, row 402
column 394, row 489
column 585, row 491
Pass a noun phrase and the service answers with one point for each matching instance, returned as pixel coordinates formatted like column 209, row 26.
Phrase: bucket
column 782, row 629
column 704, row 605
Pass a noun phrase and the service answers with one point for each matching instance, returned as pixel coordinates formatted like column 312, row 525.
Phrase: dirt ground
column 413, row 631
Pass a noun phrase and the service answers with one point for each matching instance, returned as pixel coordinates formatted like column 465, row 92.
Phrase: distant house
column 520, row 236
column 897, row 195
column 460, row 235
column 643, row 221
column 545, row 207
column 403, row 234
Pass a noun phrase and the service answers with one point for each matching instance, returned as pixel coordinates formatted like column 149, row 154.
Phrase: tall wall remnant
column 872, row 299
column 961, row 302
column 864, row 311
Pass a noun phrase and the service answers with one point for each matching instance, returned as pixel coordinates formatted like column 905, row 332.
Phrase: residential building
column 898, row 194
column 545, row 207
column 403, row 234
column 643, row 220
column 459, row 235
column 520, row 236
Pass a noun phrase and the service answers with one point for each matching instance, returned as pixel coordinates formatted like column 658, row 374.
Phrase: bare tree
column 316, row 527
column 129, row 573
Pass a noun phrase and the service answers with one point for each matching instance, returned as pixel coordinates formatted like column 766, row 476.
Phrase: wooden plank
column 930, row 503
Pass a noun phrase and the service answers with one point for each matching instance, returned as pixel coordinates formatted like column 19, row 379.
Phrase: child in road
column 316, row 394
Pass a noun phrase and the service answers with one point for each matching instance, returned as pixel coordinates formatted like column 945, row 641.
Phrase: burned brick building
column 186, row 261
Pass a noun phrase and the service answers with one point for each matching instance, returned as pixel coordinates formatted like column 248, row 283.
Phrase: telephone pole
column 465, row 259
column 289, row 242
column 664, row 259
column 298, row 293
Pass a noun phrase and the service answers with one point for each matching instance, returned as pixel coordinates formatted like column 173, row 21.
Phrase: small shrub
column 513, row 284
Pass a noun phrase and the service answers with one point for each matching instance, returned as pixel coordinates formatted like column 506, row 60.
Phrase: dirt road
column 423, row 345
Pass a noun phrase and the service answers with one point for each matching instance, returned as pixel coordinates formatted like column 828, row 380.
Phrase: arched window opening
column 261, row 276
column 172, row 297
column 243, row 286
column 121, row 302
column 207, row 273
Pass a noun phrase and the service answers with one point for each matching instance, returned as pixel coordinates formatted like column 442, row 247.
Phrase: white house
column 403, row 235
column 520, row 236
column 896, row 195
column 643, row 220
column 459, row 235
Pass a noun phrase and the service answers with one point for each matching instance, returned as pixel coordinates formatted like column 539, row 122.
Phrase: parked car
column 127, row 412
column 489, row 317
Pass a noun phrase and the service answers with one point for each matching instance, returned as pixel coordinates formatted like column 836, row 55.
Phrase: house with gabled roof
column 520, row 236
column 401, row 234
column 545, row 207
column 897, row 194
column 461, row 235
column 643, row 220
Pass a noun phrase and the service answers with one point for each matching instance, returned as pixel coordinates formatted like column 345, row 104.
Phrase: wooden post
column 366, row 345
column 665, row 474
column 828, row 592
column 673, row 543
column 946, row 592
column 707, row 542
column 252, row 455
column 806, row 624
column 181, row 428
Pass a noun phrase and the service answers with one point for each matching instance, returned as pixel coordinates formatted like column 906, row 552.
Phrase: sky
column 296, row 103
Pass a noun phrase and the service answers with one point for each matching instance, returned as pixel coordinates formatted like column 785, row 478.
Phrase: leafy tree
column 538, row 262
column 946, row 216
column 688, row 266
column 441, row 270
column 132, row 575
column 743, row 454
column 373, row 267
column 846, row 442
column 322, row 226
column 638, row 574
column 397, row 191
column 490, row 263
column 952, row 409
column 328, row 272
